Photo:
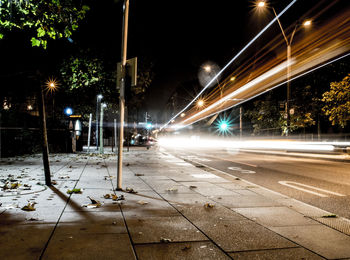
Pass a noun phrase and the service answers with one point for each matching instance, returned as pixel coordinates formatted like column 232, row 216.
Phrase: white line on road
column 240, row 170
column 293, row 184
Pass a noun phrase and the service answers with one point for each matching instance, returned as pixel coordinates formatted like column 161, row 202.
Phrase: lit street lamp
column 103, row 106
column 200, row 103
column 51, row 86
column 262, row 4
column 98, row 100
column 209, row 70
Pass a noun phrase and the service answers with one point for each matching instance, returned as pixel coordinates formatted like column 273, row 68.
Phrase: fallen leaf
column 208, row 205
column 130, row 190
column 76, row 191
column 186, row 247
column 165, row 240
column 139, row 174
column 29, row 207
column 172, row 189
column 141, row 202
column 107, row 196
column 121, row 197
column 14, row 185
column 193, row 187
column 330, row 216
column 93, row 201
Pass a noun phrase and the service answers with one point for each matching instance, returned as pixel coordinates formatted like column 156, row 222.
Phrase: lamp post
column 209, row 69
column 262, row 4
column 122, row 94
column 98, row 100
column 103, row 106
column 51, row 86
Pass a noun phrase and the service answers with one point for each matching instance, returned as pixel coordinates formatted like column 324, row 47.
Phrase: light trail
column 195, row 142
column 261, row 93
column 231, row 61
column 319, row 48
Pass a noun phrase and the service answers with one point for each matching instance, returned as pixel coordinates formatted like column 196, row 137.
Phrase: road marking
column 292, row 184
column 240, row 170
column 192, row 157
column 234, row 168
column 247, row 171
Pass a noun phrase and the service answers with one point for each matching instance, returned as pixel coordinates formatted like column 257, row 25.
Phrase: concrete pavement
column 181, row 210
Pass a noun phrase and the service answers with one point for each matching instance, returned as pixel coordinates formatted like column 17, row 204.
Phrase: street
column 319, row 182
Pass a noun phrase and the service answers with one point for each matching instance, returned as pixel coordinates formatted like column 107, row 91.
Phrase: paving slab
column 242, row 235
column 275, row 216
column 320, row 239
column 208, row 189
column 89, row 246
column 184, row 251
column 246, row 201
column 91, row 222
column 24, row 241
column 277, row 254
column 153, row 229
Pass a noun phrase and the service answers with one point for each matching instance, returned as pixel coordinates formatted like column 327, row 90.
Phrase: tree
column 265, row 115
column 304, row 109
column 337, row 102
column 44, row 19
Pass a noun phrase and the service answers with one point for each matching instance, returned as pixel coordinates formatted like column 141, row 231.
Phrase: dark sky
column 177, row 36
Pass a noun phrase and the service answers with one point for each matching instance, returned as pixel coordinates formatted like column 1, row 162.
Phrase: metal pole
column 121, row 96
column 101, row 129
column 288, row 88
column 240, row 122
column 89, row 133
column 115, row 134
column 45, row 148
column 96, row 132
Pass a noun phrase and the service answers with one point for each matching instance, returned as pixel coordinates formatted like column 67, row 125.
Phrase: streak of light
column 196, row 142
column 241, row 89
column 231, row 61
column 261, row 93
column 331, row 42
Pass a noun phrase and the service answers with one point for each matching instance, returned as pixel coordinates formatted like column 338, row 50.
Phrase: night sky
column 177, row 36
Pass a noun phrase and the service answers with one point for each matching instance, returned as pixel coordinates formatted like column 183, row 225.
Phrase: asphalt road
column 318, row 182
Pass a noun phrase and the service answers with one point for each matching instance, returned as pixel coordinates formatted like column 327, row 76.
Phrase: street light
column 51, row 85
column 103, row 106
column 262, row 4
column 210, row 69
column 98, row 100
column 200, row 103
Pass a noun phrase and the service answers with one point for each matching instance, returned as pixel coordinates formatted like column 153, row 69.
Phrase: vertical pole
column 115, row 135
column 240, row 122
column 89, row 133
column 289, row 50
column 96, row 132
column 101, row 129
column 45, row 148
column 122, row 92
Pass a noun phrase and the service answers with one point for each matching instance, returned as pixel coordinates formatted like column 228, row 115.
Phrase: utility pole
column 45, row 148
column 89, row 133
column 122, row 93
column 240, row 122
column 101, row 128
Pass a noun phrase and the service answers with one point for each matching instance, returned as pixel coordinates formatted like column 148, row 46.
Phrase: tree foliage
column 45, row 19
column 337, row 102
column 82, row 71
column 265, row 115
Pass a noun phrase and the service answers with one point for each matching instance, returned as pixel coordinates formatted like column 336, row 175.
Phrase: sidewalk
column 180, row 211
